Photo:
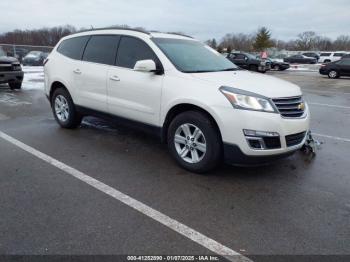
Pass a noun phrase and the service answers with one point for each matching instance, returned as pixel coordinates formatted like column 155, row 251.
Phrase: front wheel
column 333, row 74
column 194, row 142
column 64, row 110
column 15, row 85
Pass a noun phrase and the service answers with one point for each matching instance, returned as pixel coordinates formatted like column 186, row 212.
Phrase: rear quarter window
column 325, row 54
column 73, row 47
column 339, row 54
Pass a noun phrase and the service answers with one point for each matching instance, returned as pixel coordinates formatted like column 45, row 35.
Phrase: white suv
column 204, row 106
column 327, row 57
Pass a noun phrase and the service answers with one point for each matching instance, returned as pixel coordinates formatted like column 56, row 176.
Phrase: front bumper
column 11, row 76
column 233, row 121
column 233, row 155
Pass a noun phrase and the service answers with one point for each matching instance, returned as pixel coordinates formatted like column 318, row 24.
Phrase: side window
column 73, row 47
column 131, row 50
column 102, row 49
column 344, row 62
column 240, row 56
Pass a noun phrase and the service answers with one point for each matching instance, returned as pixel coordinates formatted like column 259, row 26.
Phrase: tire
column 333, row 74
column 64, row 109
column 327, row 61
column 15, row 85
column 253, row 68
column 200, row 154
column 277, row 67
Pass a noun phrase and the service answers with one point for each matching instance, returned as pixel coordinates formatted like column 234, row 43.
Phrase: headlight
column 241, row 99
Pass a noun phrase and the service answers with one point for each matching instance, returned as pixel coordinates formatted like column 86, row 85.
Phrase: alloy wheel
column 190, row 143
column 61, row 108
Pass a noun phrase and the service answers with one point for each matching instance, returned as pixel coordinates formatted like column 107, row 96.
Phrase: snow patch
column 33, row 78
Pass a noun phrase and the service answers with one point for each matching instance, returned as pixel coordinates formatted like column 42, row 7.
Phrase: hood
column 258, row 83
column 7, row 60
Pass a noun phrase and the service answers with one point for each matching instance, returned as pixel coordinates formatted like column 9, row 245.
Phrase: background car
column 249, row 62
column 336, row 69
column 327, row 57
column 20, row 53
column 277, row 65
column 301, row 59
column 34, row 58
column 10, row 70
column 312, row 54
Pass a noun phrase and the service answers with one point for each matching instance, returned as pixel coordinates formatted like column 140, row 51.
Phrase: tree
column 262, row 39
column 306, row 41
column 342, row 43
column 213, row 43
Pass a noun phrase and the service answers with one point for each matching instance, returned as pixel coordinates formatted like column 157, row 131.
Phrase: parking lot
column 65, row 191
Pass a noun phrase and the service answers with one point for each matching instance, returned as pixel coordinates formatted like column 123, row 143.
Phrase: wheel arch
column 181, row 108
column 54, row 86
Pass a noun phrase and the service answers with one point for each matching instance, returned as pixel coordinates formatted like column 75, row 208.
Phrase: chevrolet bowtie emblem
column 301, row 106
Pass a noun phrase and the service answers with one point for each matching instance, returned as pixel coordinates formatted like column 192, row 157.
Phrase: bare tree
column 342, row 43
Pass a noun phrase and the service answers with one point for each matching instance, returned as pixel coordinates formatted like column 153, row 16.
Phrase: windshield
column 2, row 52
column 193, row 57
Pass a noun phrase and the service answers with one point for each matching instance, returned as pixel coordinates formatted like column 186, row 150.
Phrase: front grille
column 295, row 139
column 5, row 68
column 290, row 106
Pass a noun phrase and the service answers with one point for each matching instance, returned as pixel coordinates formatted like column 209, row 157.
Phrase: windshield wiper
column 230, row 69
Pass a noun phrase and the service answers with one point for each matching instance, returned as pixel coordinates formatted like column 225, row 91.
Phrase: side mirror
column 145, row 66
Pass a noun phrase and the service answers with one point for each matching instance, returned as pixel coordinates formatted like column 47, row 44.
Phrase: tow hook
column 311, row 145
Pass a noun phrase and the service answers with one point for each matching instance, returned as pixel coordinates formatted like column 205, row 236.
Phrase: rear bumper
column 11, row 76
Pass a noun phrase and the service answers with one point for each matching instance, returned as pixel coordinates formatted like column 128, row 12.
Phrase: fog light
column 248, row 132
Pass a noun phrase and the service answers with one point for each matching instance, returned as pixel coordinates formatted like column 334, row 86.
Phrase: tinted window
column 240, row 56
column 339, row 54
column 325, row 54
column 102, row 49
column 345, row 62
column 73, row 47
column 132, row 50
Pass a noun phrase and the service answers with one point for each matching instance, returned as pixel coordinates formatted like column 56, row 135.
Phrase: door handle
column 77, row 71
column 114, row 78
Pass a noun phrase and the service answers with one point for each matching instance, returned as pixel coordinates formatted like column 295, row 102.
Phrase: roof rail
column 180, row 34
column 116, row 28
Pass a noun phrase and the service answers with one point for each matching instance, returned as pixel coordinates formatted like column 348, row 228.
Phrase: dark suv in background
column 249, row 62
column 10, row 71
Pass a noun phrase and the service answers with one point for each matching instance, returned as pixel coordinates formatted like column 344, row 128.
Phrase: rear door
column 240, row 60
column 99, row 57
column 133, row 94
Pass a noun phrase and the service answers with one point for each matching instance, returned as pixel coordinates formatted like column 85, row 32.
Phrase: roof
column 133, row 31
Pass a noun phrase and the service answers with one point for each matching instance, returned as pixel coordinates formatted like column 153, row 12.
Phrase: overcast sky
column 200, row 18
